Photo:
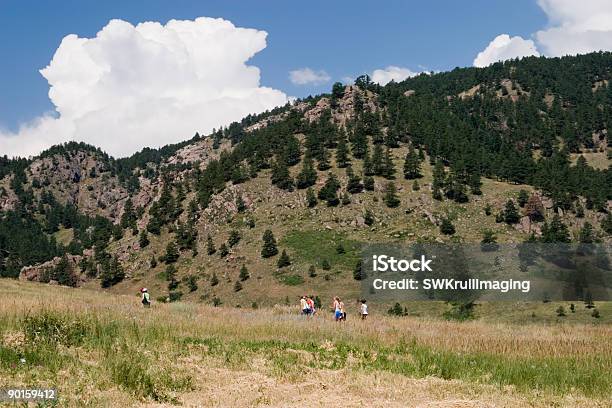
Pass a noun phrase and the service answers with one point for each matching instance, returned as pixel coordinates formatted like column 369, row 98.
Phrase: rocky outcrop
column 8, row 198
column 201, row 151
column 344, row 109
column 40, row 272
column 80, row 178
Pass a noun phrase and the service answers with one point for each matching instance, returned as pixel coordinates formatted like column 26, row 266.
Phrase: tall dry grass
column 112, row 343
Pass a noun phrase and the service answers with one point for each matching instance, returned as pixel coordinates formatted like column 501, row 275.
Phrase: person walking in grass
column 304, row 306
column 364, row 309
column 342, row 311
column 337, row 309
column 146, row 298
column 311, row 305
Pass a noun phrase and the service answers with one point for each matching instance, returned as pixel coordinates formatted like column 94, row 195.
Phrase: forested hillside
column 516, row 151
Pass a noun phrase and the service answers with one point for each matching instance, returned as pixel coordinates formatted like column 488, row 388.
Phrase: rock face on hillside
column 201, row 151
column 344, row 110
column 79, row 178
column 40, row 272
column 8, row 199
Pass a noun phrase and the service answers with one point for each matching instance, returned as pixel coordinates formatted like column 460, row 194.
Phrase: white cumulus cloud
column 306, row 76
column 504, row 47
column 574, row 27
column 577, row 27
column 147, row 85
column 391, row 73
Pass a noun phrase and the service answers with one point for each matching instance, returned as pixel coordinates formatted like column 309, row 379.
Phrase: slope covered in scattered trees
column 512, row 142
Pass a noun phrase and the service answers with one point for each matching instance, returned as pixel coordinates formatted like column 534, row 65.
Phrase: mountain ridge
column 495, row 129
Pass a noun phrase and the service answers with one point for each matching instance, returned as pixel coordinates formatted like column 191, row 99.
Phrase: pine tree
column 579, row 210
column 283, row 260
column 342, row 159
column 392, row 137
column 523, row 197
column 556, row 231
column 292, row 151
column 223, row 250
column 534, row 209
column 312, row 272
column 234, row 238
column 489, row 241
column 337, row 94
column 346, row 199
column 475, row 183
column 153, row 262
column 439, row 178
column 170, row 273
column 358, row 273
column 587, row 234
column 354, row 185
column 390, row 198
column 415, row 186
column 214, row 281
column 368, row 218
column 421, row 155
column 560, row 311
column 244, row 273
column 269, row 248
column 606, row 224
column 210, row 245
column 280, row 175
column 192, row 283
column 308, row 175
column 359, row 141
column 240, row 174
column 388, row 165
column 511, row 214
column 368, row 183
column 412, row 165
column 378, row 164
column 240, row 204
column 237, row 286
column 172, row 253
column 588, row 300
column 323, row 160
column 128, row 219
column 447, row 227
column 368, row 167
column 112, row 273
column 329, row 191
column 63, row 273
column 143, row 239
column 311, row 198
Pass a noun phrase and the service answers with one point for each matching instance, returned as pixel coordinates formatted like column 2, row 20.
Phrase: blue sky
column 344, row 38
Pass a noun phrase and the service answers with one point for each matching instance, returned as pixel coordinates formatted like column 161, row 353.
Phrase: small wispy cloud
column 391, row 73
column 306, row 76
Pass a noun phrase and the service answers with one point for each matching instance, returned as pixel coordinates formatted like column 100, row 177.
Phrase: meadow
column 102, row 349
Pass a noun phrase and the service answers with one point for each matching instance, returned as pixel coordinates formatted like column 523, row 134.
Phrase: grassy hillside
column 311, row 235
column 106, row 350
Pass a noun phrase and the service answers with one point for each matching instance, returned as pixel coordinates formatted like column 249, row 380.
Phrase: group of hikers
column 307, row 306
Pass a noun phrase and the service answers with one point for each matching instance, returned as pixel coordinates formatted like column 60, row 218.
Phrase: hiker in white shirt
column 364, row 309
